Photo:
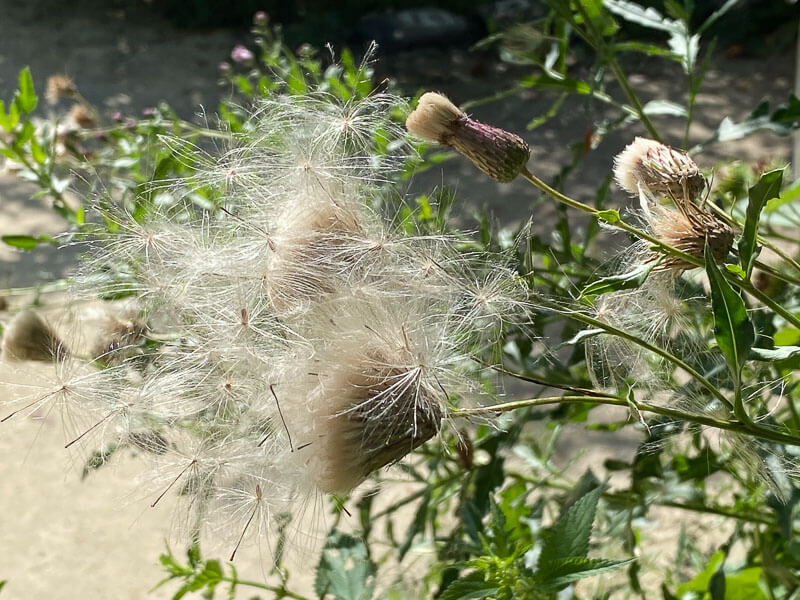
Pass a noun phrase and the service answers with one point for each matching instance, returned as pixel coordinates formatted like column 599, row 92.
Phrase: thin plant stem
column 606, row 217
column 665, row 354
column 708, row 421
column 595, row 38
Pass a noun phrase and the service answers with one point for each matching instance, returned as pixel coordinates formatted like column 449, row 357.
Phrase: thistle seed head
column 60, row 86
column 687, row 229
column 29, row 337
column 499, row 153
column 659, row 169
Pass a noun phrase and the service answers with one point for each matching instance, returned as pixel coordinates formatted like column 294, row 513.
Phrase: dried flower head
column 299, row 340
column 83, row 116
column 688, row 229
column 29, row 337
column 659, row 169
column 650, row 170
column 500, row 154
column 60, row 86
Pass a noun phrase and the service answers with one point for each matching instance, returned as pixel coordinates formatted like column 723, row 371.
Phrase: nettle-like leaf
column 767, row 188
column 732, row 327
column 563, row 558
column 471, row 587
column 345, row 570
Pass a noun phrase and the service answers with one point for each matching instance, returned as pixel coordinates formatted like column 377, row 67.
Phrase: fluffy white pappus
column 433, row 118
column 298, row 340
column 378, row 386
column 656, row 312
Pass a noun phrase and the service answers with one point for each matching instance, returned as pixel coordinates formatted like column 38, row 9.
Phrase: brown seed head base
column 688, row 229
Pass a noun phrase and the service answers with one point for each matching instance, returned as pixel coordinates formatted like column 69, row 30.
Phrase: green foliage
column 493, row 508
column 345, row 571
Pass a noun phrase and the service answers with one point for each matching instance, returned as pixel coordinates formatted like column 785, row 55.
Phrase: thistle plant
column 299, row 340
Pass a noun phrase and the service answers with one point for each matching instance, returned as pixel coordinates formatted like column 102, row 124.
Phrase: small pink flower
column 224, row 67
column 117, row 116
column 241, row 55
column 260, row 18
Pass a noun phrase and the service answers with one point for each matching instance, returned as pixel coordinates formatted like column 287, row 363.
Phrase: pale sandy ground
column 66, row 539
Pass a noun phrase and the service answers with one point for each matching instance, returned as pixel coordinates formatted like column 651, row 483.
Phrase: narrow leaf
column 732, row 327
column 26, row 96
column 568, row 570
column 614, row 283
column 767, row 188
column 771, row 355
column 27, row 242
column 471, row 587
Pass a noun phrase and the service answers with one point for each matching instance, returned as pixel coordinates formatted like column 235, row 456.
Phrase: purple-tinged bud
column 224, row 67
column 241, row 55
column 116, row 116
column 130, row 124
column 499, row 153
column 260, row 19
column 148, row 112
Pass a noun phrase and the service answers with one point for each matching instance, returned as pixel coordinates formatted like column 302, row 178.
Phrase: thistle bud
column 500, row 154
column 659, row 169
column 60, row 86
column 29, row 337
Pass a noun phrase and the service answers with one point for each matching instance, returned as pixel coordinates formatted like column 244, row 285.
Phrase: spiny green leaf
column 26, row 96
column 767, row 188
column 613, row 283
column 345, row 570
column 732, row 327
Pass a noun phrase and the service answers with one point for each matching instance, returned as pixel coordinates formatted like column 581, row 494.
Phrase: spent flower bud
column 60, row 86
column 658, row 168
column 499, row 153
column 29, row 337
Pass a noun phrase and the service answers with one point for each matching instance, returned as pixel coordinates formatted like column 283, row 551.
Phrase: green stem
column 596, row 39
column 728, row 425
column 665, row 354
column 281, row 591
column 615, row 221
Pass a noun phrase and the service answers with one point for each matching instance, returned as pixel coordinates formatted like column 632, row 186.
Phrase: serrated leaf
column 345, row 570
column 614, row 283
column 27, row 242
column 732, row 327
column 767, row 188
column 26, row 95
column 569, row 536
column 471, row 587
column 564, row 571
column 646, row 17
